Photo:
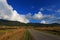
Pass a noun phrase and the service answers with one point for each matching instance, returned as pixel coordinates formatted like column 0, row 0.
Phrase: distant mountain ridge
column 10, row 23
column 16, row 23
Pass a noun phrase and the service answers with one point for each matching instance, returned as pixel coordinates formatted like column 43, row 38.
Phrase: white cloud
column 43, row 22
column 7, row 12
column 56, row 20
column 38, row 16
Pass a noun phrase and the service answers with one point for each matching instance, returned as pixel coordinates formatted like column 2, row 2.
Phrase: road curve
column 42, row 36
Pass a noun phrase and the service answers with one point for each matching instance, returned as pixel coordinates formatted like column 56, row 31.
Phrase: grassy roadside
column 27, row 35
column 2, row 32
column 13, row 34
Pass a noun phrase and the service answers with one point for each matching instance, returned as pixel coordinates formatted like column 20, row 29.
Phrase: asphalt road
column 37, row 35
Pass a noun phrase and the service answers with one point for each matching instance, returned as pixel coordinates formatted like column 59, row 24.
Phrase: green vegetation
column 3, row 31
column 27, row 35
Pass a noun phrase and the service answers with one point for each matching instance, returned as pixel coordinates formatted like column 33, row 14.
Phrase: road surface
column 37, row 35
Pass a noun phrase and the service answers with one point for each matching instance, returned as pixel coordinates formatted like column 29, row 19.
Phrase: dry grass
column 12, row 34
column 52, row 30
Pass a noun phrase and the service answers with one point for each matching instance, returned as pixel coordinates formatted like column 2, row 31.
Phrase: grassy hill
column 10, row 23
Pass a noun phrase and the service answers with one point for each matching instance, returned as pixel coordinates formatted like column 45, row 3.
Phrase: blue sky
column 33, row 6
column 47, row 7
column 36, row 11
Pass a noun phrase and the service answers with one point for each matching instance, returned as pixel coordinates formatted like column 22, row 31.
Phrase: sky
column 30, row 11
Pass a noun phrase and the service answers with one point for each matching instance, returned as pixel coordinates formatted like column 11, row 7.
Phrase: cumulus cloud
column 43, row 22
column 39, row 16
column 7, row 12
